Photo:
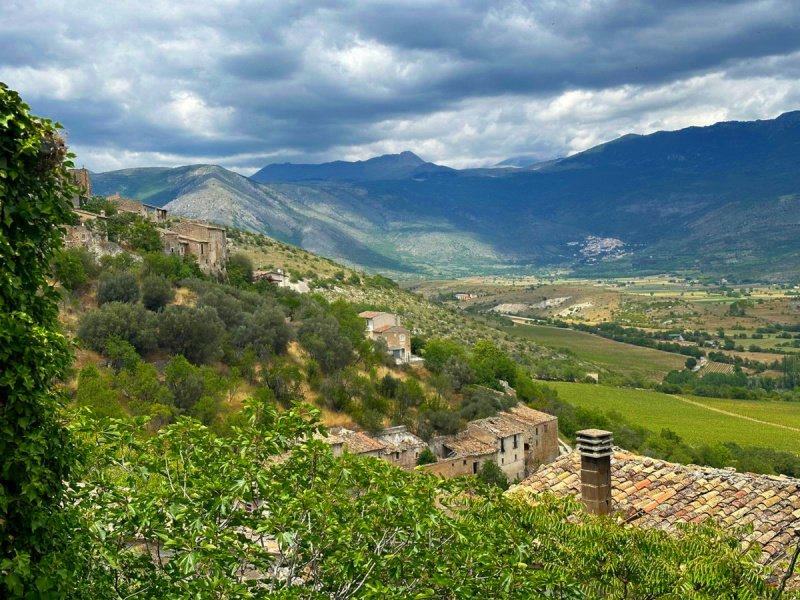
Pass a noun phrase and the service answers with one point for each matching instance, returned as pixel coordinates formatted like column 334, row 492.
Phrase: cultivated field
column 766, row 424
column 623, row 358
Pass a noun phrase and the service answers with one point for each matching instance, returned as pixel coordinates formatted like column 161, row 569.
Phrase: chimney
column 595, row 447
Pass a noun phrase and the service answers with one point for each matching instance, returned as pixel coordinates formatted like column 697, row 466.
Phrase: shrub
column 184, row 381
column 426, row 457
column 196, row 333
column 240, row 270
column 130, row 322
column 117, row 287
column 157, row 292
column 493, row 475
column 323, row 340
column 72, row 268
column 265, row 332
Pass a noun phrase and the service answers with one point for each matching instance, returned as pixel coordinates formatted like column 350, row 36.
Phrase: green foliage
column 426, row 457
column 184, row 381
column 117, row 286
column 96, row 392
column 157, row 292
column 240, row 270
column 690, row 363
column 38, row 531
column 121, row 354
column 265, row 331
column 358, row 527
column 322, row 338
column 98, row 204
column 439, row 351
column 73, row 267
column 130, row 322
column 196, row 333
column 491, row 474
column 491, row 364
column 172, row 267
column 134, row 232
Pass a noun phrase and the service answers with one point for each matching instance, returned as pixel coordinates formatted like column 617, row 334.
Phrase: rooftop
column 369, row 314
column 385, row 328
column 499, row 425
column 464, row 444
column 399, row 439
column 658, row 494
column 356, row 442
column 529, row 416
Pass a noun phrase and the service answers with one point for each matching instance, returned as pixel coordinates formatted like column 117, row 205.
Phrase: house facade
column 401, row 447
column 387, row 327
column 507, row 437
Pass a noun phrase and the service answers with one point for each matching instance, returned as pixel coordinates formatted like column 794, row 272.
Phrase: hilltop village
column 205, row 243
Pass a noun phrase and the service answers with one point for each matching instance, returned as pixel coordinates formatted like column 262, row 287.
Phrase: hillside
column 723, row 199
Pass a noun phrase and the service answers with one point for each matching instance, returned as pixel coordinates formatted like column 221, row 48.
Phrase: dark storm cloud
column 240, row 81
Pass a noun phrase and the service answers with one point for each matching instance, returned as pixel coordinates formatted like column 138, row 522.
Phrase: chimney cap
column 595, row 443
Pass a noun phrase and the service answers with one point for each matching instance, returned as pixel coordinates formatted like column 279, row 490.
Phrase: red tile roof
column 659, row 494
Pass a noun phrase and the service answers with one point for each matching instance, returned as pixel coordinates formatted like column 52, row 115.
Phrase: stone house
column 207, row 243
column 148, row 211
column 343, row 440
column 387, row 327
column 540, row 435
column 507, row 437
column 82, row 180
column 401, row 447
column 461, row 454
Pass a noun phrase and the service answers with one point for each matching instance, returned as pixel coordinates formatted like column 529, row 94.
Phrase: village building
column 343, row 440
column 540, row 435
column 387, row 327
column 148, row 211
column 653, row 493
column 461, row 454
column 281, row 278
column 518, row 441
column 401, row 447
column 464, row 296
column 207, row 243
column 81, row 180
column 507, row 437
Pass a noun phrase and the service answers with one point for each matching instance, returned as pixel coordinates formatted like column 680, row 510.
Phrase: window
column 516, row 444
column 545, row 427
column 502, row 461
column 502, row 444
column 475, row 467
column 402, row 337
column 465, row 461
column 515, row 457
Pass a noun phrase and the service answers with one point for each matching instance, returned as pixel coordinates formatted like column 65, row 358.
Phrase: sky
column 244, row 83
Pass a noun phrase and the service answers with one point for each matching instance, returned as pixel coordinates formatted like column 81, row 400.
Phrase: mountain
column 389, row 166
column 723, row 199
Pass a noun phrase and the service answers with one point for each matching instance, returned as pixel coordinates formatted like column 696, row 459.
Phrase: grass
column 615, row 356
column 695, row 424
column 782, row 413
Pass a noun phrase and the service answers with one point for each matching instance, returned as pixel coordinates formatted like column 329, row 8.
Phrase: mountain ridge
column 722, row 199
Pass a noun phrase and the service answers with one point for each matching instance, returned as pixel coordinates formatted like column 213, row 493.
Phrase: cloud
column 466, row 83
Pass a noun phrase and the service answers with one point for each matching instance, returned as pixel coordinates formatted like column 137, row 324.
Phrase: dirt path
column 732, row 414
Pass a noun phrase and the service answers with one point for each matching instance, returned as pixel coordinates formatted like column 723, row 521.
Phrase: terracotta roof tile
column 660, row 494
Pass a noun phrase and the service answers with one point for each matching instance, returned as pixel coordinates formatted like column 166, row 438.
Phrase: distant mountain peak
column 405, row 165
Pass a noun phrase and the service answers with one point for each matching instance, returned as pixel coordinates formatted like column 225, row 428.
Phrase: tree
column 439, row 351
column 491, row 364
column 37, row 529
column 265, row 331
column 323, row 340
column 157, row 292
column 426, row 457
column 491, row 474
column 117, row 287
column 73, row 267
column 239, row 270
column 353, row 527
column 130, row 322
column 196, row 333
column 184, row 381
column 690, row 363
